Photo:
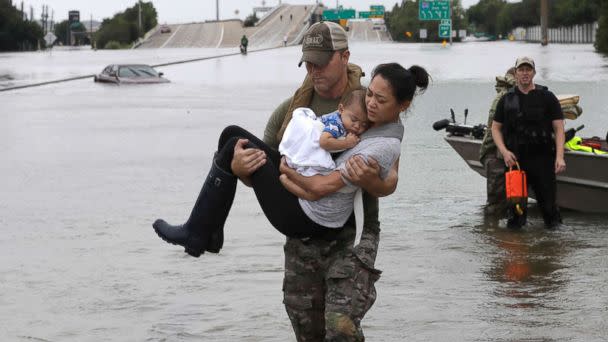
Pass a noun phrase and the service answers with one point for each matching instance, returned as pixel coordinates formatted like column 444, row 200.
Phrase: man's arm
column 367, row 176
column 558, row 130
column 274, row 124
column 507, row 155
column 316, row 186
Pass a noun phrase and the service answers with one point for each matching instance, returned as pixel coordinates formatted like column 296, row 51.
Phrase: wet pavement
column 88, row 167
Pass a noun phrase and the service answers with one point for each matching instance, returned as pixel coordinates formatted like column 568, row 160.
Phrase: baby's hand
column 351, row 140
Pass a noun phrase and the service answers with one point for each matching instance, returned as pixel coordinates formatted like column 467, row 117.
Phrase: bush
column 601, row 40
column 123, row 28
column 113, row 45
column 251, row 20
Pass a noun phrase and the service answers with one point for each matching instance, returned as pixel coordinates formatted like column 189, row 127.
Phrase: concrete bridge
column 284, row 21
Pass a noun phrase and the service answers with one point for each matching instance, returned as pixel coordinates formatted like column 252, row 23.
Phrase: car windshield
column 137, row 71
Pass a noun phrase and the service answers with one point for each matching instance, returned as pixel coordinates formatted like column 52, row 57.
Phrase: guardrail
column 577, row 34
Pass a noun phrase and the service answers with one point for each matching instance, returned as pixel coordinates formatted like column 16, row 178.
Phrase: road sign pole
column 451, row 11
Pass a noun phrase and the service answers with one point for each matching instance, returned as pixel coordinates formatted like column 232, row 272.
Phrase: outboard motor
column 461, row 130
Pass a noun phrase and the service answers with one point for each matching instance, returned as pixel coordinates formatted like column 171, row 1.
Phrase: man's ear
column 345, row 56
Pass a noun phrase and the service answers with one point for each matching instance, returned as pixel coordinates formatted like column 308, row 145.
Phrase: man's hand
column 246, row 161
column 560, row 165
column 509, row 158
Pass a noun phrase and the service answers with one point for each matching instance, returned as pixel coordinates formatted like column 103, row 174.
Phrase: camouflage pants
column 327, row 289
column 496, row 203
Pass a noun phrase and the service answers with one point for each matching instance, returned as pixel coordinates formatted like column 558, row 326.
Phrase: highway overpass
column 285, row 20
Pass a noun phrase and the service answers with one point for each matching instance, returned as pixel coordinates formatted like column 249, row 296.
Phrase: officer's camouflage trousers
column 327, row 289
column 496, row 203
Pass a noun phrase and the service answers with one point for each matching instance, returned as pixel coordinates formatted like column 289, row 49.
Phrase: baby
column 309, row 140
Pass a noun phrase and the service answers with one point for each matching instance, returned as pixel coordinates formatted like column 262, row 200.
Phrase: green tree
column 573, row 12
column 124, row 27
column 16, row 33
column 485, row 16
column 251, row 20
column 61, row 31
column 601, row 40
column 499, row 17
column 404, row 18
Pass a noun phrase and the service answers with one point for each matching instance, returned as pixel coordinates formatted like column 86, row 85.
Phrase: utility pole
column 217, row 10
column 140, row 28
column 544, row 22
column 91, row 31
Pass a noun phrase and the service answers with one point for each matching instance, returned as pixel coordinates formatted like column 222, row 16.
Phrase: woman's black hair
column 405, row 82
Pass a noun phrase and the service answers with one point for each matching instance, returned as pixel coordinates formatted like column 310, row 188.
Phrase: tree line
column 123, row 29
column 601, row 40
column 17, row 34
column 497, row 18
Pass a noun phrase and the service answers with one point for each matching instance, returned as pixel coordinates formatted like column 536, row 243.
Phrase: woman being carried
column 326, row 200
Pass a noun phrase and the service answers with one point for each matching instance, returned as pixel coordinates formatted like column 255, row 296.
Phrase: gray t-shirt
column 383, row 144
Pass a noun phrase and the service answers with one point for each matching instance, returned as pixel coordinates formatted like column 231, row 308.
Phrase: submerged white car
column 130, row 74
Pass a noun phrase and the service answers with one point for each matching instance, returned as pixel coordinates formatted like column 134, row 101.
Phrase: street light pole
column 544, row 22
column 140, row 32
column 217, row 10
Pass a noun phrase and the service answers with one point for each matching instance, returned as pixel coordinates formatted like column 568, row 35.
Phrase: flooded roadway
column 87, row 168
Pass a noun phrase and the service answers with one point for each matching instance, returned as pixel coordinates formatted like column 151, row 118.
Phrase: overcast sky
column 182, row 11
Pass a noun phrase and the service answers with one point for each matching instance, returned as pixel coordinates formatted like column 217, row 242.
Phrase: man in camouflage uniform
column 489, row 156
column 329, row 284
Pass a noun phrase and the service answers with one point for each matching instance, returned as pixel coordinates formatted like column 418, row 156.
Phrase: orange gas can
column 516, row 188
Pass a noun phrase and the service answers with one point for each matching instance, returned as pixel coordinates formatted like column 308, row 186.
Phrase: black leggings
column 280, row 206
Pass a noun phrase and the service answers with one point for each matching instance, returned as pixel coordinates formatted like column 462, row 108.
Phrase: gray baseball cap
column 524, row 60
column 320, row 42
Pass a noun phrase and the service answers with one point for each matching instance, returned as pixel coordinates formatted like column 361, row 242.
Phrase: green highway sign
column 433, row 10
column 445, row 31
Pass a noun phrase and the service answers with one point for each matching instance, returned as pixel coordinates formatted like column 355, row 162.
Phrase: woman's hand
column 246, row 161
column 361, row 173
column 367, row 176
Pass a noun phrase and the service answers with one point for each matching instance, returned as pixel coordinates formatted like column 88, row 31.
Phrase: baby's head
column 353, row 112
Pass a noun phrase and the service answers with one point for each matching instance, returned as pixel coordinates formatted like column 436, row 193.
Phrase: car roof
column 130, row 65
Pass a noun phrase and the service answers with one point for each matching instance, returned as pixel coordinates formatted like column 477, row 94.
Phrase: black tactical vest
column 527, row 126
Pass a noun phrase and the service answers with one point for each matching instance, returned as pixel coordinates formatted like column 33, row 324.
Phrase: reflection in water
column 526, row 264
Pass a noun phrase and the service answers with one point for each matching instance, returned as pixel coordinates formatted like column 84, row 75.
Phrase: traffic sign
column 50, row 38
column 445, row 31
column 446, row 22
column 433, row 10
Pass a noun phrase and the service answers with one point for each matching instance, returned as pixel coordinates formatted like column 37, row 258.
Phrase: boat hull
column 582, row 187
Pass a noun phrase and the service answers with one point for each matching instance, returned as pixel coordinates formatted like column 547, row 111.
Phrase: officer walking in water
column 528, row 128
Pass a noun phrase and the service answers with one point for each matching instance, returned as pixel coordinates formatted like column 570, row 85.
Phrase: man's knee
column 308, row 323
column 341, row 327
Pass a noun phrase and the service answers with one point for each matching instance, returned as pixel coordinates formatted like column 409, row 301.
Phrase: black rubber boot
column 204, row 230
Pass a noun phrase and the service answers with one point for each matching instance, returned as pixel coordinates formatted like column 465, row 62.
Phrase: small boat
column 582, row 187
